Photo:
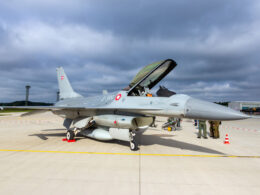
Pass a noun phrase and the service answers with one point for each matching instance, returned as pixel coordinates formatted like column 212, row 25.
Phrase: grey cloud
column 102, row 44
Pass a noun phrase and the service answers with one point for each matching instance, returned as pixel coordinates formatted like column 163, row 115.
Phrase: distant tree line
column 22, row 103
column 222, row 103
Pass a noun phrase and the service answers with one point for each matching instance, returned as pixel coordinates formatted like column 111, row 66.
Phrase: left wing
column 39, row 109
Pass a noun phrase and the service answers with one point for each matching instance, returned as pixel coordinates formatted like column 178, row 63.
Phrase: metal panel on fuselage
column 120, row 103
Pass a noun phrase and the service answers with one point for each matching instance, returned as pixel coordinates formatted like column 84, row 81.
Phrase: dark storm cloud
column 103, row 44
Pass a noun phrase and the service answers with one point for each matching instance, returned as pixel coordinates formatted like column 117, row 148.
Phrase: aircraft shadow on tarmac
column 44, row 136
column 158, row 139
column 142, row 139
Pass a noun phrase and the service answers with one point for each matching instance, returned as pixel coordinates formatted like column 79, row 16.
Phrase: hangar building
column 244, row 105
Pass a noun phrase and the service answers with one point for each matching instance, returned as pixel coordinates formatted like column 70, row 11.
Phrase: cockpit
column 148, row 77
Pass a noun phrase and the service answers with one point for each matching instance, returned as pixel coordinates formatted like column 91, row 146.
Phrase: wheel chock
column 73, row 140
column 65, row 140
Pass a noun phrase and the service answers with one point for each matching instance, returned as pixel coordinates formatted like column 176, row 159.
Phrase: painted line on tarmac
column 132, row 154
column 238, row 128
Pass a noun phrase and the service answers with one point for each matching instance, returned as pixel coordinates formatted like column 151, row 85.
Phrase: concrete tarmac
column 35, row 160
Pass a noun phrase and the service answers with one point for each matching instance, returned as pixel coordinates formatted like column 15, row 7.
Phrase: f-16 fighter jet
column 120, row 114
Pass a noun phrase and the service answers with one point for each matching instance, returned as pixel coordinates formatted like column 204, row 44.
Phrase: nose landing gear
column 133, row 143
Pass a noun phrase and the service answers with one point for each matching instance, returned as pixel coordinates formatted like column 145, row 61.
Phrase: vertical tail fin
column 65, row 88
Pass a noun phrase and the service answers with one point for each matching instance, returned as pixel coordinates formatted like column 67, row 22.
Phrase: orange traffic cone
column 226, row 140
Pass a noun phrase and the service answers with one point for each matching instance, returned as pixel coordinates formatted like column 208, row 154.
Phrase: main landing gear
column 71, row 134
column 133, row 144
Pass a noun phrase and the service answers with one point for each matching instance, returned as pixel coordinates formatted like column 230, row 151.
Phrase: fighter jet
column 119, row 115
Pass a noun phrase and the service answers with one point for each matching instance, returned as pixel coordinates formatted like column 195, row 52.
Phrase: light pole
column 27, row 94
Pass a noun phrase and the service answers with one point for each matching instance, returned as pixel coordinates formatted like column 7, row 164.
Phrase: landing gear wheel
column 133, row 145
column 70, row 135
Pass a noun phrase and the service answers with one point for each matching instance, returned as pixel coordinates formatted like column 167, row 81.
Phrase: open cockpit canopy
column 149, row 76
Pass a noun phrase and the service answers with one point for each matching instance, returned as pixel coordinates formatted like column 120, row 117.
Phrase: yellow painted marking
column 130, row 154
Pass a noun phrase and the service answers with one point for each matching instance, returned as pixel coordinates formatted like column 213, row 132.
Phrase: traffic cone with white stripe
column 226, row 140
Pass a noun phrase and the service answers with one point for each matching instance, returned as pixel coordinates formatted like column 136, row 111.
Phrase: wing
column 53, row 108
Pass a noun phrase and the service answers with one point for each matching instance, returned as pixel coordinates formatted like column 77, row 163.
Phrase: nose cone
column 199, row 109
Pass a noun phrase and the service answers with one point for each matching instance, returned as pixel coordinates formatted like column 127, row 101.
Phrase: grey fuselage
column 180, row 105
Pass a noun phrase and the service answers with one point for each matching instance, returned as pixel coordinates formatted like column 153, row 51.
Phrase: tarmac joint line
column 131, row 154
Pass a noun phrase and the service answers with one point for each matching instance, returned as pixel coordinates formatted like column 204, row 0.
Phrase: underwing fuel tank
column 106, row 134
column 98, row 133
column 199, row 109
column 122, row 122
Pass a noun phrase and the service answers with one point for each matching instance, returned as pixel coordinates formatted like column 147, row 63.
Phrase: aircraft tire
column 133, row 145
column 70, row 135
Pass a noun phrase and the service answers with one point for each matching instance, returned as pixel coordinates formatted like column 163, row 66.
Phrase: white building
column 243, row 105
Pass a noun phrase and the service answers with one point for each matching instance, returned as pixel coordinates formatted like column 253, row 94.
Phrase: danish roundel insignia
column 118, row 97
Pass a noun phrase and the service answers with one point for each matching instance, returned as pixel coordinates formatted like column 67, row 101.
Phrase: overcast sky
column 102, row 44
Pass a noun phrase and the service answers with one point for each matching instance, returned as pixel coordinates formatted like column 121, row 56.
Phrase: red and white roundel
column 118, row 97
